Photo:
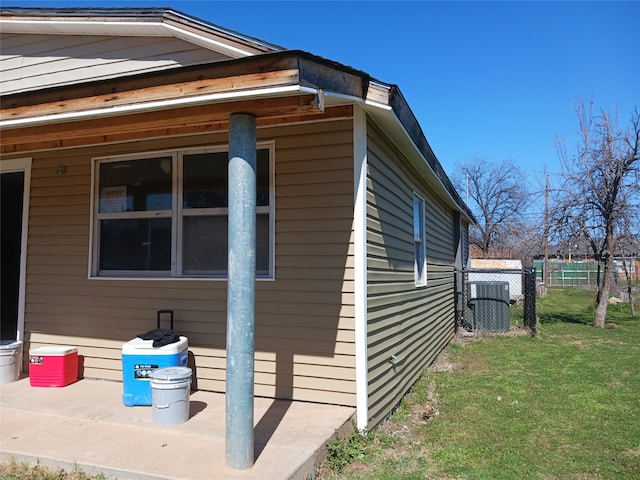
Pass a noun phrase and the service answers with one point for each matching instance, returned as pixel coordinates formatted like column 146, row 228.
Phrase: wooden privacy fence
column 583, row 274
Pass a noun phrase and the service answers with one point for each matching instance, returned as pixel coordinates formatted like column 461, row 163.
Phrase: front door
column 12, row 189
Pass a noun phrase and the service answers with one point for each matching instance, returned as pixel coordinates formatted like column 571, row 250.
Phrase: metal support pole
column 241, row 291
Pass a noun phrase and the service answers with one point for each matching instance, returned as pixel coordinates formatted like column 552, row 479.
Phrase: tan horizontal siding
column 406, row 323
column 30, row 61
column 305, row 364
column 37, row 339
column 304, row 318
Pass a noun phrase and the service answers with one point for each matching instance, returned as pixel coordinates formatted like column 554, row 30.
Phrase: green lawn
column 562, row 405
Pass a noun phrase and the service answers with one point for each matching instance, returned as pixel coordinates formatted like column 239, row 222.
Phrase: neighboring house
column 115, row 130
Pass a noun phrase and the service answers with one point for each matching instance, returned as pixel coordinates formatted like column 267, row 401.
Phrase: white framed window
column 419, row 241
column 165, row 214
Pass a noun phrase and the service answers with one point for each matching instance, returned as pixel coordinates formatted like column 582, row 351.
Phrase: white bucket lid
column 53, row 350
column 171, row 374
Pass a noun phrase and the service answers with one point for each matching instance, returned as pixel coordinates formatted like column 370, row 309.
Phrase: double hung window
column 166, row 214
column 419, row 241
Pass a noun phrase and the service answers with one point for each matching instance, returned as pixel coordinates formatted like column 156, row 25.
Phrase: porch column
column 241, row 291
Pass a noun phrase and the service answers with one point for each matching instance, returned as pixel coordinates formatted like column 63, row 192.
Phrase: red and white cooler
column 53, row 366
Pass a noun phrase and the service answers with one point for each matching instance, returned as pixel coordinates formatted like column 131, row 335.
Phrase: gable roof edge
column 133, row 22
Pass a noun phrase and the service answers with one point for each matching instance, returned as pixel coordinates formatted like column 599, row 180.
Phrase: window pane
column 206, row 177
column 419, row 251
column 205, row 245
column 135, row 185
column 262, row 245
column 417, row 221
column 419, row 262
column 205, row 180
column 262, row 178
column 135, row 244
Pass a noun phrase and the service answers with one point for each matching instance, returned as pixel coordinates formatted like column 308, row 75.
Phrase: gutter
column 289, row 90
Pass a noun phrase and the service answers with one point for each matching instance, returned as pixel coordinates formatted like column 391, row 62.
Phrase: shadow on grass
column 581, row 319
column 577, row 306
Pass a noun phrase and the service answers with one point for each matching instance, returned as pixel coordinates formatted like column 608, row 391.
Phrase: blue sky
column 498, row 80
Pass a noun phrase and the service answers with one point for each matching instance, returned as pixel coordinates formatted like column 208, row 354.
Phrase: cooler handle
column 168, row 312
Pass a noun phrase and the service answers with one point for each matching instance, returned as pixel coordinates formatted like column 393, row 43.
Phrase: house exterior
column 114, row 129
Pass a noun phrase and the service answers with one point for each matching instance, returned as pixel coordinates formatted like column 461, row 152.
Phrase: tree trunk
column 603, row 294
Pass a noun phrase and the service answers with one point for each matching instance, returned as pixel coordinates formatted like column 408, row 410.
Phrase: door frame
column 15, row 166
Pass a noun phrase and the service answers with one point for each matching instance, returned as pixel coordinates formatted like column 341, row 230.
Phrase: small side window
column 419, row 242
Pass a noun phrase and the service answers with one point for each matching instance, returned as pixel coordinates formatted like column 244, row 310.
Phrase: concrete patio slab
column 86, row 424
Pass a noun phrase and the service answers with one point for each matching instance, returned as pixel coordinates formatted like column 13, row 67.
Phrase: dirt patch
column 442, row 363
column 358, row 467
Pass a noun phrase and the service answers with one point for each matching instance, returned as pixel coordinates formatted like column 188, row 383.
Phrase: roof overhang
column 269, row 86
column 257, row 78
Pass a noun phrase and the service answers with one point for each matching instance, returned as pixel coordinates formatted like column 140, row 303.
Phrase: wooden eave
column 272, row 87
column 240, row 77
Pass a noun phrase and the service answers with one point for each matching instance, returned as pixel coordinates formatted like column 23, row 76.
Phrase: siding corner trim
column 360, row 264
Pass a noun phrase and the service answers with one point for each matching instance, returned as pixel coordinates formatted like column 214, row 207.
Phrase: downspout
column 241, row 292
column 360, row 265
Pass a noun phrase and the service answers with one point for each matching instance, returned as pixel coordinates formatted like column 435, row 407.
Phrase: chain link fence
column 496, row 301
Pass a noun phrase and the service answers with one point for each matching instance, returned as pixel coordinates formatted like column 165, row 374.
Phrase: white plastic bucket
column 170, row 388
column 10, row 360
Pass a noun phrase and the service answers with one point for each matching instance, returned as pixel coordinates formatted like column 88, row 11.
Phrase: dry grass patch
column 13, row 469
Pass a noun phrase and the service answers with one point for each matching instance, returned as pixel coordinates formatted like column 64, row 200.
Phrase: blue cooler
column 140, row 358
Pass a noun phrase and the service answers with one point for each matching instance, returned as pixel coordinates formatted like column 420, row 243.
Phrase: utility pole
column 546, row 230
column 467, row 189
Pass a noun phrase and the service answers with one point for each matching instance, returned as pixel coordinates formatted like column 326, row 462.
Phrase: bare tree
column 600, row 192
column 526, row 241
column 497, row 193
